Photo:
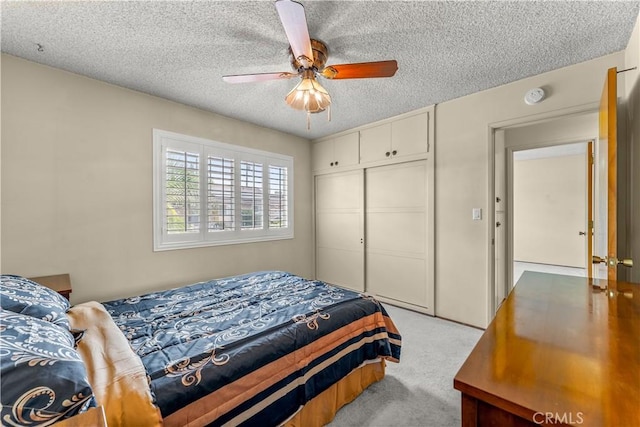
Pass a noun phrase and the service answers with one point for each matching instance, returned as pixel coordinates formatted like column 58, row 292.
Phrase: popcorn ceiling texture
column 180, row 50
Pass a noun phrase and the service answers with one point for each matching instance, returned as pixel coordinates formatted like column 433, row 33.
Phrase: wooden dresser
column 558, row 352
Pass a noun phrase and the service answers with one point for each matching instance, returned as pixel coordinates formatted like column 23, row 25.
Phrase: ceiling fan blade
column 260, row 77
column 361, row 70
column 294, row 22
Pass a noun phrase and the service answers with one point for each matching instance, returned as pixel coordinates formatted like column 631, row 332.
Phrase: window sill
column 170, row 246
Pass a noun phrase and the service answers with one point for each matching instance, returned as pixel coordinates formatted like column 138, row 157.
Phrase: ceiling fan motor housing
column 320, row 55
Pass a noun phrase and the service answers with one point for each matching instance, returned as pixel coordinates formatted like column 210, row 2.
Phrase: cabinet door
column 340, row 229
column 396, row 244
column 322, row 155
column 346, row 149
column 409, row 136
column 375, row 143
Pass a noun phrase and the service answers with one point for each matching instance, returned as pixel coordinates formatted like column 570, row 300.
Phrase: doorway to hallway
column 550, row 210
column 524, row 139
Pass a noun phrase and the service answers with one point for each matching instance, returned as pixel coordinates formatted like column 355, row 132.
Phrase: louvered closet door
column 340, row 229
column 396, row 243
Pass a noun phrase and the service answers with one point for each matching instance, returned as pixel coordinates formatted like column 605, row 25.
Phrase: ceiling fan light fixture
column 308, row 58
column 308, row 95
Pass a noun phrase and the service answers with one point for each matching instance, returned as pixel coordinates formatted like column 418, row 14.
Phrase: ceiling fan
column 308, row 58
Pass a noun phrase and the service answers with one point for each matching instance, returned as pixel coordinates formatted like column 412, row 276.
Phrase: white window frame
column 162, row 240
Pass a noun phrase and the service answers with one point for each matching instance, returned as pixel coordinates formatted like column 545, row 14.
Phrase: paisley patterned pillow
column 24, row 296
column 43, row 378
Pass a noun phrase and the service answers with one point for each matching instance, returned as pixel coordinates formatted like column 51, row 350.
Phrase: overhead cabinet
column 402, row 138
column 399, row 140
column 336, row 153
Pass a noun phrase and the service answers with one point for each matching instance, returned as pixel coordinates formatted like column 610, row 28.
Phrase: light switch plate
column 476, row 214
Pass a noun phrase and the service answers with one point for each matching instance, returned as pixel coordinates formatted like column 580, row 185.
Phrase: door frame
column 507, row 251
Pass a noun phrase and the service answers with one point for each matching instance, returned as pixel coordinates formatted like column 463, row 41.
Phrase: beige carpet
column 419, row 390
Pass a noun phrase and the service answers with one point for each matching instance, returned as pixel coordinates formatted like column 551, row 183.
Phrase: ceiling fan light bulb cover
column 308, row 96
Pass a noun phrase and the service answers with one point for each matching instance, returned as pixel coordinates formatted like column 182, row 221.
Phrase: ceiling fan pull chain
column 329, row 113
column 308, row 120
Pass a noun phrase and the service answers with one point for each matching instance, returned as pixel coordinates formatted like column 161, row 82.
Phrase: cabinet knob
column 336, row 163
column 394, row 152
column 387, row 154
column 331, row 163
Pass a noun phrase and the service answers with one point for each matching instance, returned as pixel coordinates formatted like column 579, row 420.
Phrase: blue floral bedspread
column 251, row 349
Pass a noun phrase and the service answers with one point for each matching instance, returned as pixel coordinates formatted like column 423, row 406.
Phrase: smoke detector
column 534, row 96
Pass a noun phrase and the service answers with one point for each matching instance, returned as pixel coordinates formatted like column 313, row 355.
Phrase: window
column 208, row 193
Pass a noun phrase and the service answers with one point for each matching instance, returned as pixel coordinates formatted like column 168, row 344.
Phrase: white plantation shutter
column 210, row 193
column 221, row 194
column 251, row 195
column 182, row 189
column 278, row 197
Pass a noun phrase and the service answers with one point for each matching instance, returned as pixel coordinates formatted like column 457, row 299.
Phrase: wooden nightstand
column 61, row 283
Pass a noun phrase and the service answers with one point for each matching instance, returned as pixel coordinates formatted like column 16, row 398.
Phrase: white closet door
column 396, row 221
column 340, row 229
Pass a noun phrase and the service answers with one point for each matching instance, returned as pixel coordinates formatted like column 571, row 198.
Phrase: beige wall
column 632, row 94
column 463, row 172
column 567, row 129
column 549, row 209
column 1, row 56
column 77, row 186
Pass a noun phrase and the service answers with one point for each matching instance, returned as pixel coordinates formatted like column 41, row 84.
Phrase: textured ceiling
column 180, row 50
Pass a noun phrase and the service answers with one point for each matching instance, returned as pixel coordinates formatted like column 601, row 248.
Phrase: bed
column 266, row 348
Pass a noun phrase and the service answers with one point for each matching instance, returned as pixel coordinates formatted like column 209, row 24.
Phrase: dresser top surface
column 558, row 345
